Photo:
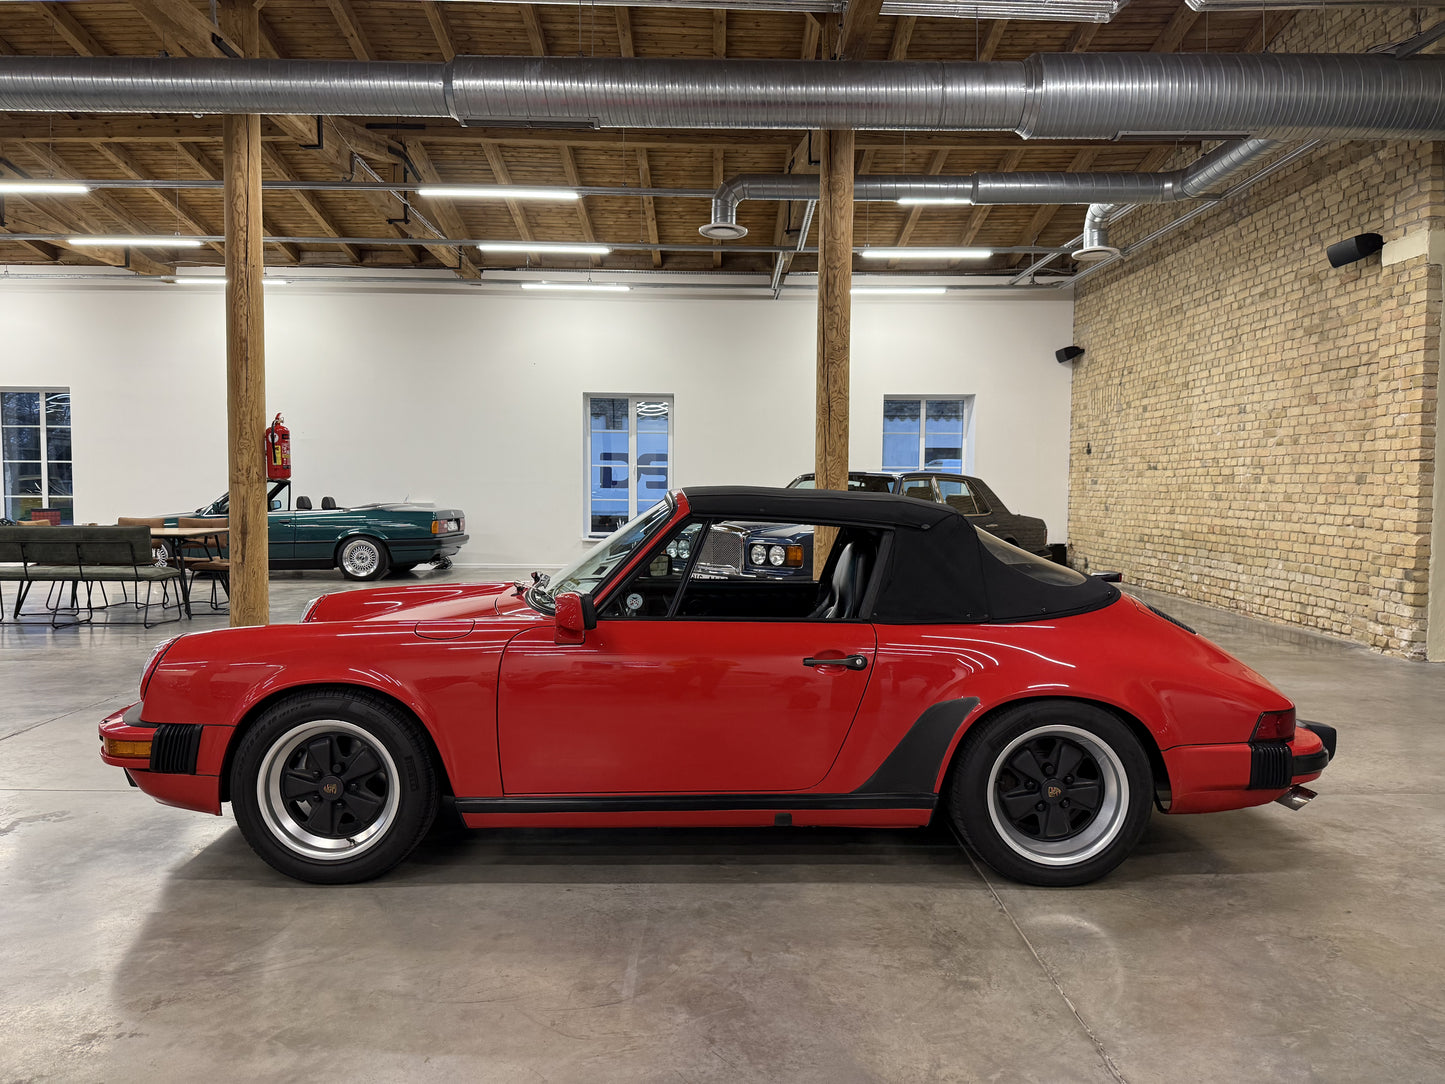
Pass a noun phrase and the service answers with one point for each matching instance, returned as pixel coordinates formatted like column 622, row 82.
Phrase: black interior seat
column 843, row 595
column 328, row 502
column 303, row 504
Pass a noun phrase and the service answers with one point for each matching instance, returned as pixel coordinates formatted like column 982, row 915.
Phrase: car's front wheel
column 333, row 787
column 1052, row 792
column 362, row 558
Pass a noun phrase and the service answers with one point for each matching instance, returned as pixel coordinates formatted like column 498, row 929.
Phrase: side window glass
column 650, row 590
column 764, row 572
column 956, row 494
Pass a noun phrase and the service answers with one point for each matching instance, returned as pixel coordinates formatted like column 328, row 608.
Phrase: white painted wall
column 476, row 400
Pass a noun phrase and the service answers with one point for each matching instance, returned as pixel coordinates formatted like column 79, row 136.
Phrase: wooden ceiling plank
column 447, row 215
column 271, row 158
column 649, row 205
column 170, row 200
column 203, row 165
column 584, row 220
column 440, row 30
column 719, row 33
column 812, row 35
column 64, row 22
column 1082, row 37
column 346, row 18
column 996, row 30
column 180, row 26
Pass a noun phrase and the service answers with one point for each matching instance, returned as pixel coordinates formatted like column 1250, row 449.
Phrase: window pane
column 20, row 442
column 22, row 479
column 18, row 508
column 943, row 435
column 59, row 479
column 610, row 504
column 57, row 442
column 20, row 407
column 65, row 506
column 650, row 590
column 57, row 408
column 653, row 419
column 901, row 419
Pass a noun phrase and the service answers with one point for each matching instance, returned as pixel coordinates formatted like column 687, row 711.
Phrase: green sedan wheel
column 362, row 558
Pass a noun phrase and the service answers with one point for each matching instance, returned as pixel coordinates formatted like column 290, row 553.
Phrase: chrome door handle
column 852, row 662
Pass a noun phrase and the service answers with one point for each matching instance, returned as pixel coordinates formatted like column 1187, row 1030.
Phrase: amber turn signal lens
column 119, row 747
column 793, row 557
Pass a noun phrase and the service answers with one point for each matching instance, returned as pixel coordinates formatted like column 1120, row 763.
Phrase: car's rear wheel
column 362, row 558
column 1052, row 792
column 333, row 787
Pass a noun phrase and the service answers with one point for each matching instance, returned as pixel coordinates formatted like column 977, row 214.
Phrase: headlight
column 776, row 556
column 684, row 548
column 672, row 548
column 152, row 662
column 758, row 553
column 310, row 605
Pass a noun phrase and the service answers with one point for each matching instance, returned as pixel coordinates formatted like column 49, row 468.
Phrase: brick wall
column 1253, row 428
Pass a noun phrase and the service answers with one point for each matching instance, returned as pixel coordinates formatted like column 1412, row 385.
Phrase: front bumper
column 183, row 758
column 1210, row 778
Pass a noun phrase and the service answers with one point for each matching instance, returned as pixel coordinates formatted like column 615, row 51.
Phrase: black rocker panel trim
column 175, row 747
column 913, row 765
column 669, row 803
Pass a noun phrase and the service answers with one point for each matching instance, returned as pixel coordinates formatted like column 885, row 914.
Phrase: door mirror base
column 575, row 615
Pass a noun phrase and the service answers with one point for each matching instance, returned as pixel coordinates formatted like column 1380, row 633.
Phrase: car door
column 281, row 534
column 682, row 704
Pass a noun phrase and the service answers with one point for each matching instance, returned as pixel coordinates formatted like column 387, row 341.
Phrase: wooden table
column 172, row 537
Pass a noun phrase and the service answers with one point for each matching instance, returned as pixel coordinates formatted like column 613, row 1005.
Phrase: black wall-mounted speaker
column 1356, row 248
column 1068, row 354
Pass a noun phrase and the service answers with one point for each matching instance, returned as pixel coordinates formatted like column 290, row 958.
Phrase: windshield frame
column 638, row 532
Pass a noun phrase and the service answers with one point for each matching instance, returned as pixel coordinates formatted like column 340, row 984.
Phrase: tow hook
column 1297, row 797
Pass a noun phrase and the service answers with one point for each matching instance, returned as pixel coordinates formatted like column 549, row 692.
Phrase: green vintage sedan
column 365, row 541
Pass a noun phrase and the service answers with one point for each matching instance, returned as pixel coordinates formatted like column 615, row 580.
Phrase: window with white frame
column 629, row 458
column 926, row 434
column 35, row 451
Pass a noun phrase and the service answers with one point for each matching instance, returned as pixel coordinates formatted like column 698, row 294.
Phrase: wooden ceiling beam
column 649, row 205
column 860, row 19
column 351, row 29
column 447, row 215
column 533, row 26
column 902, row 37
column 440, row 30
column 66, row 217
column 41, row 250
column 1173, row 35
column 1082, row 37
column 272, row 160
column 203, row 165
column 182, row 28
column 979, row 215
column 935, row 167
column 171, row 200
column 624, row 32
column 63, row 21
column 1046, row 214
column 812, row 36
column 502, row 175
column 584, row 220
column 996, row 30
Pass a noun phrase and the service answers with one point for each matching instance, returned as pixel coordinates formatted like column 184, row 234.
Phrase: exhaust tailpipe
column 1297, row 797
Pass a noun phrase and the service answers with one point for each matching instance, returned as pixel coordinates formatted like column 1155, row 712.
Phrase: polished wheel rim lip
column 1098, row 834
column 283, row 825
column 360, row 557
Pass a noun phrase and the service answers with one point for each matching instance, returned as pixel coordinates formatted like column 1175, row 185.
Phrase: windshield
column 866, row 483
column 589, row 571
column 1040, row 568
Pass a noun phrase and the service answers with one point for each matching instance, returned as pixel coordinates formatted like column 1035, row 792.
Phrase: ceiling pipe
column 1062, row 96
column 1101, row 189
column 1073, row 11
column 1293, row 5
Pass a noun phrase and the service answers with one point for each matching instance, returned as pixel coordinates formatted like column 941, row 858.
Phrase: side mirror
column 275, row 506
column 575, row 615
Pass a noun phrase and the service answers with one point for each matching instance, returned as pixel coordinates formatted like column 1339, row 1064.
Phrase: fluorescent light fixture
column 879, row 290
column 926, row 253
column 595, row 287
column 543, row 248
column 157, row 241
column 42, row 188
column 219, row 280
column 934, row 201
column 499, row 192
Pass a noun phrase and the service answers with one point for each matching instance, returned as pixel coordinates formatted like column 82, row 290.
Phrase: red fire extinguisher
column 278, row 452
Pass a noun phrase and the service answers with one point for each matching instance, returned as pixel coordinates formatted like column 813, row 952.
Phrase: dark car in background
column 777, row 552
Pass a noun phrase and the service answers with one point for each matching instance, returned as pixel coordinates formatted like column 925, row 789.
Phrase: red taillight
column 1274, row 726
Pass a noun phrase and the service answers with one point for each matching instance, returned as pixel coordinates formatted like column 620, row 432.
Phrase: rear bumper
column 425, row 550
column 1210, row 778
column 179, row 770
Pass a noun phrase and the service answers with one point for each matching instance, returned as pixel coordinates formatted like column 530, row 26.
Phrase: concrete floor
column 140, row 942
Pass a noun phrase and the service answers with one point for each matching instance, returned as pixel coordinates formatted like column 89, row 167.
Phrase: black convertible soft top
column 938, row 569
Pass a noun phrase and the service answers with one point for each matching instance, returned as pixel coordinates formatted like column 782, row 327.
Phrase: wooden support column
column 245, row 344
column 835, row 282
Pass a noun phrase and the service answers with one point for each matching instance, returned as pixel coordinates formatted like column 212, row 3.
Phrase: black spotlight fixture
column 1068, row 354
column 1356, row 248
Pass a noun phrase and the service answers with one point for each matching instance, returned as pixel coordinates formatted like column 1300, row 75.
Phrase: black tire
column 362, row 557
column 386, row 786
column 1024, row 782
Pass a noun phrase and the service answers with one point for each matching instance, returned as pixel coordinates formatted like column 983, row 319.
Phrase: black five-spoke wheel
column 1052, row 792
column 333, row 786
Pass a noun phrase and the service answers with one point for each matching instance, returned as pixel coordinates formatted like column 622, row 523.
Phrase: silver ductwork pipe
column 1072, row 11
column 1057, row 96
column 1202, row 178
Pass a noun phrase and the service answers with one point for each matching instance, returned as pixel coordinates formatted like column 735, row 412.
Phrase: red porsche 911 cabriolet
column 927, row 667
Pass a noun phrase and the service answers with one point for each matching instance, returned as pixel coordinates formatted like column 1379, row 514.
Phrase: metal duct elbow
column 725, row 226
column 1096, row 244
